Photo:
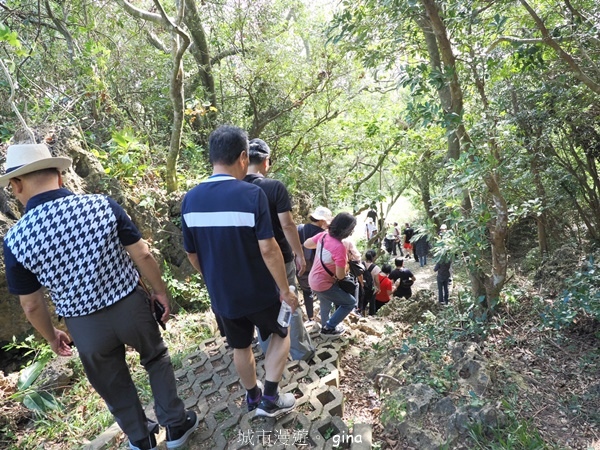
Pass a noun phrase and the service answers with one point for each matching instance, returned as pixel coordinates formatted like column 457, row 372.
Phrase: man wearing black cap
column 286, row 235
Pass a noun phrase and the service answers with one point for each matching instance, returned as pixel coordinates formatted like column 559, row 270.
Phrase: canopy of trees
column 485, row 113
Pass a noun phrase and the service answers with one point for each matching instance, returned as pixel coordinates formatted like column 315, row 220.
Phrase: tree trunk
column 201, row 53
column 179, row 44
column 444, row 93
column 177, row 100
column 541, row 194
column 498, row 228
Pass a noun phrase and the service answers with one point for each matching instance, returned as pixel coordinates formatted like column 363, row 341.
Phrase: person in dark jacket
column 442, row 267
column 421, row 248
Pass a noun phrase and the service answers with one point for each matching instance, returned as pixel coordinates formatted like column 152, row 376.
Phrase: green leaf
column 30, row 374
column 40, row 401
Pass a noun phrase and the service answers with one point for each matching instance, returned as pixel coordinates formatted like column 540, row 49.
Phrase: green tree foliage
column 486, row 112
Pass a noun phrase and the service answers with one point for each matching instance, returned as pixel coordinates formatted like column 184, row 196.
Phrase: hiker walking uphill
column 286, row 235
column 83, row 248
column 227, row 220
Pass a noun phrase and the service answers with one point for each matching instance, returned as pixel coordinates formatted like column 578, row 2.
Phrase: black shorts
column 240, row 332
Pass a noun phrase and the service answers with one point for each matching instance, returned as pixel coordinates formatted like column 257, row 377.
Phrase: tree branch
column 62, row 29
column 567, row 58
column 155, row 41
column 11, row 100
column 140, row 14
column 519, row 40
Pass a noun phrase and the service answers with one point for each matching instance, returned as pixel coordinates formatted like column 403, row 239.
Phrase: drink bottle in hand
column 285, row 312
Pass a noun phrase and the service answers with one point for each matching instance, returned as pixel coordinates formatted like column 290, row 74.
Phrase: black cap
column 258, row 147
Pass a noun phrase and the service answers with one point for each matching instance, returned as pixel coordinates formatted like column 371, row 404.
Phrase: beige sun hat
column 322, row 213
column 22, row 159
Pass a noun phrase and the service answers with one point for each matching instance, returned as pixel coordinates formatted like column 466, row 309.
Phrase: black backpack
column 368, row 282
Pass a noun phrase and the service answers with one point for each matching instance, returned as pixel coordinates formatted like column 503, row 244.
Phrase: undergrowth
column 430, row 341
column 82, row 414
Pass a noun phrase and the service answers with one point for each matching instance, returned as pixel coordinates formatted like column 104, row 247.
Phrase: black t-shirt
column 306, row 231
column 402, row 274
column 279, row 201
column 408, row 234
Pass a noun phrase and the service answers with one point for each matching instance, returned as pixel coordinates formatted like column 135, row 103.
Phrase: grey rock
column 444, row 407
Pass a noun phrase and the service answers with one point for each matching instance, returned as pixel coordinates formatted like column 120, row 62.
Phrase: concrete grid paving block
column 336, row 346
column 209, row 345
column 226, row 372
column 328, row 432
column 332, row 400
column 233, row 388
column 227, row 429
column 209, row 383
column 196, row 357
column 292, row 430
column 313, row 409
column 362, row 437
column 216, row 397
column 311, row 379
column 206, row 376
column 219, row 363
column 199, row 372
column 301, row 392
column 327, row 355
column 184, row 389
column 295, row 369
column 328, row 375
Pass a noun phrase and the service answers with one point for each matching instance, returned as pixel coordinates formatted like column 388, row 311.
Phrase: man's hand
column 163, row 300
column 290, row 298
column 60, row 344
column 300, row 264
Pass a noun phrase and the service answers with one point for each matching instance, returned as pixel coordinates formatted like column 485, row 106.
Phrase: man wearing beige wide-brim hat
column 82, row 249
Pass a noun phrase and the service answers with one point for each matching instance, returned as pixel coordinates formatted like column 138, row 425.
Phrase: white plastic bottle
column 285, row 312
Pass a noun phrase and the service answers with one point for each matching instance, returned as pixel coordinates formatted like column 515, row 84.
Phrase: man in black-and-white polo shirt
column 82, row 249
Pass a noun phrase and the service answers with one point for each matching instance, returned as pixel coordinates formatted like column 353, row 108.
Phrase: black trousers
column 101, row 338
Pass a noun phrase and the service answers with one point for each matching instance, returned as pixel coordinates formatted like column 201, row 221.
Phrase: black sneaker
column 149, row 443
column 178, row 435
column 337, row 331
column 282, row 404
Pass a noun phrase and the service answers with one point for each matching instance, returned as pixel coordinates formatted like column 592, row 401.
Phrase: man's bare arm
column 291, row 234
column 193, row 258
column 148, row 267
column 35, row 308
column 273, row 259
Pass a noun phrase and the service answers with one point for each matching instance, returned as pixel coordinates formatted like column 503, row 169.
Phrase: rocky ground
column 519, row 377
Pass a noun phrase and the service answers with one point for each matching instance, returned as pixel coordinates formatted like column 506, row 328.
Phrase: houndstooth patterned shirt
column 74, row 246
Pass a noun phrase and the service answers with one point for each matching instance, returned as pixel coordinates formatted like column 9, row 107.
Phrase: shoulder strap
column 321, row 256
column 371, row 267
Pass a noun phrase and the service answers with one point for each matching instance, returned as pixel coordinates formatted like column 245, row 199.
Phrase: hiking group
column 85, row 251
